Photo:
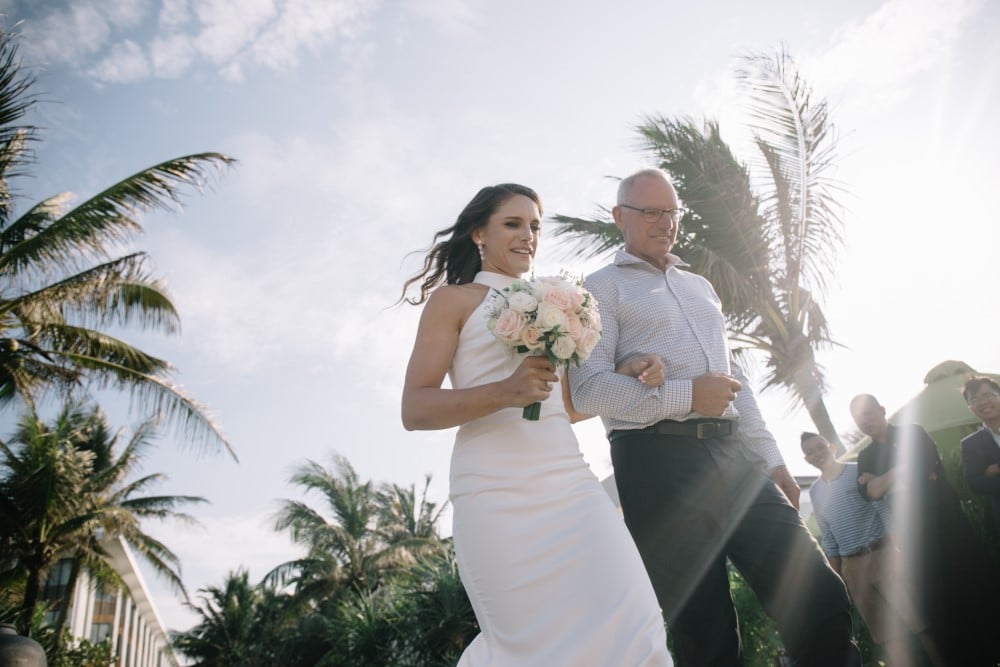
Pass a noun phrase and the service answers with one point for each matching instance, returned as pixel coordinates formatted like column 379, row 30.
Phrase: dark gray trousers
column 691, row 504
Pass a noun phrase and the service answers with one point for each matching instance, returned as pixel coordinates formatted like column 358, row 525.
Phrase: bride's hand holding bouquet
column 553, row 316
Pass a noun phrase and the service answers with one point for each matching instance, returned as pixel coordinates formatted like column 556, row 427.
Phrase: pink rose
column 509, row 325
column 561, row 299
column 531, row 338
column 588, row 340
column 574, row 327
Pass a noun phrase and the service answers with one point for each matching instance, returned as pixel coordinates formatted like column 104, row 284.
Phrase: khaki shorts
column 876, row 586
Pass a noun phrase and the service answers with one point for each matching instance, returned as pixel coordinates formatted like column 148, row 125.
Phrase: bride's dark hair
column 453, row 258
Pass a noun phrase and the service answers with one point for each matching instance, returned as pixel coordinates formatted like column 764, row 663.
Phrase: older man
column 688, row 455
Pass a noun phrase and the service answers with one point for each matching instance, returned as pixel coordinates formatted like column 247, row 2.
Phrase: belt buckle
column 707, row 430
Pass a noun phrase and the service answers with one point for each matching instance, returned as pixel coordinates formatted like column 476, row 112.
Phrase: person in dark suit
column 943, row 560
column 981, row 450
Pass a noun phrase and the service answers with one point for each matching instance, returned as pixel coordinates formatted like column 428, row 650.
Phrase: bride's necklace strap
column 494, row 280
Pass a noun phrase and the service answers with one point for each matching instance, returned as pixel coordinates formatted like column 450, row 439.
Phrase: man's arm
column 981, row 474
column 752, row 429
column 755, row 436
column 873, row 486
column 598, row 389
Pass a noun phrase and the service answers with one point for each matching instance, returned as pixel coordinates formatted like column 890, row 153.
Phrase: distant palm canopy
column 67, row 280
column 765, row 233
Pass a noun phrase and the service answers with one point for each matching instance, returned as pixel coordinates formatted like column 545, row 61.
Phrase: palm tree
column 346, row 550
column 408, row 521
column 56, row 501
column 242, row 625
column 64, row 279
column 766, row 234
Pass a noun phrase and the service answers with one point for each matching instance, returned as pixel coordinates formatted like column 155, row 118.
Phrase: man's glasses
column 984, row 397
column 656, row 214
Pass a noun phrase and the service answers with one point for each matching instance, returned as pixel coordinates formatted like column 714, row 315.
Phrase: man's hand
column 712, row 393
column 787, row 484
column 646, row 368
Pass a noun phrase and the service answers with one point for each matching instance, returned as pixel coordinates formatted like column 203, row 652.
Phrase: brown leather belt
column 700, row 429
column 870, row 547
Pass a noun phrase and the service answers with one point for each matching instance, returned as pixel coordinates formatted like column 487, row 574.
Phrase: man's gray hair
column 625, row 187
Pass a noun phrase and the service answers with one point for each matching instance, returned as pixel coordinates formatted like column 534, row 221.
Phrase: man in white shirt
column 687, row 454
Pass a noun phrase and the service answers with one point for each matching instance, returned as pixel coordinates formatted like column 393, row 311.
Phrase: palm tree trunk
column 812, row 396
column 31, row 589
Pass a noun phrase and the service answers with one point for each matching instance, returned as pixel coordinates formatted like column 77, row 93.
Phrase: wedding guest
column 551, row 571
column 981, row 450
column 943, row 560
column 856, row 541
column 688, row 455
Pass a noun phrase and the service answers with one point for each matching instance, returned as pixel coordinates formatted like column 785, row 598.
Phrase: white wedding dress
column 552, row 572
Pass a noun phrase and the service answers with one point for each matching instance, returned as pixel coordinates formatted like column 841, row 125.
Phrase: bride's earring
column 482, row 254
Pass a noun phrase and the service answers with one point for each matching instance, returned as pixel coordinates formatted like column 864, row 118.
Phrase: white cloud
column 306, row 25
column 174, row 14
column 229, row 26
column 124, row 14
column 878, row 58
column 230, row 35
column 124, row 64
column 69, row 35
column 456, row 18
column 172, row 55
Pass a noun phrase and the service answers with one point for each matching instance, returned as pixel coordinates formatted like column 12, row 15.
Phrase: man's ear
column 616, row 214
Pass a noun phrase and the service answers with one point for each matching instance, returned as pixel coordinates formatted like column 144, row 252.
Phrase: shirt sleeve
column 597, row 389
column 752, row 429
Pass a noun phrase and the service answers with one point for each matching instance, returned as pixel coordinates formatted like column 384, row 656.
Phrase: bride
column 552, row 573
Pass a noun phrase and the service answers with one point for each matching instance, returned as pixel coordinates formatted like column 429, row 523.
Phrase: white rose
column 563, row 347
column 522, row 302
column 549, row 317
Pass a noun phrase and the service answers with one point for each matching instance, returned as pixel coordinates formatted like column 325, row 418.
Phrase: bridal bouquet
column 553, row 316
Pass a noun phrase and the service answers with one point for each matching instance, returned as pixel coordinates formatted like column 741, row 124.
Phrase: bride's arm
column 647, row 368
column 428, row 406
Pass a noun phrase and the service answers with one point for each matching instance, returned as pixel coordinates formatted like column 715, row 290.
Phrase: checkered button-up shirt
column 677, row 315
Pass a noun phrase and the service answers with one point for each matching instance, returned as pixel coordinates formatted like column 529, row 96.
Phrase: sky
column 361, row 127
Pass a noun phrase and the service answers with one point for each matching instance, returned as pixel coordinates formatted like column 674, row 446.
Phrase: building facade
column 126, row 616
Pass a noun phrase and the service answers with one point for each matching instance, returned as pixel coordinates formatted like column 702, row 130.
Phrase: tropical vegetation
column 765, row 233
column 376, row 585
column 70, row 283
column 66, row 489
column 68, row 279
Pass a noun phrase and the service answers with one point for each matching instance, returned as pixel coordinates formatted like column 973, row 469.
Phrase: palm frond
column 118, row 292
column 112, row 216
column 589, row 237
column 800, row 150
column 153, row 392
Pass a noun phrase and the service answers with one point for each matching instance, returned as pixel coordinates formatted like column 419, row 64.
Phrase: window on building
column 104, row 605
column 100, row 631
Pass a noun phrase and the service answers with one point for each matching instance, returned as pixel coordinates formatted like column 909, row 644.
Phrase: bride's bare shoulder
column 456, row 301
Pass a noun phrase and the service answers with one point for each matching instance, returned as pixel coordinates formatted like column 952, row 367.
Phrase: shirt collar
column 625, row 258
